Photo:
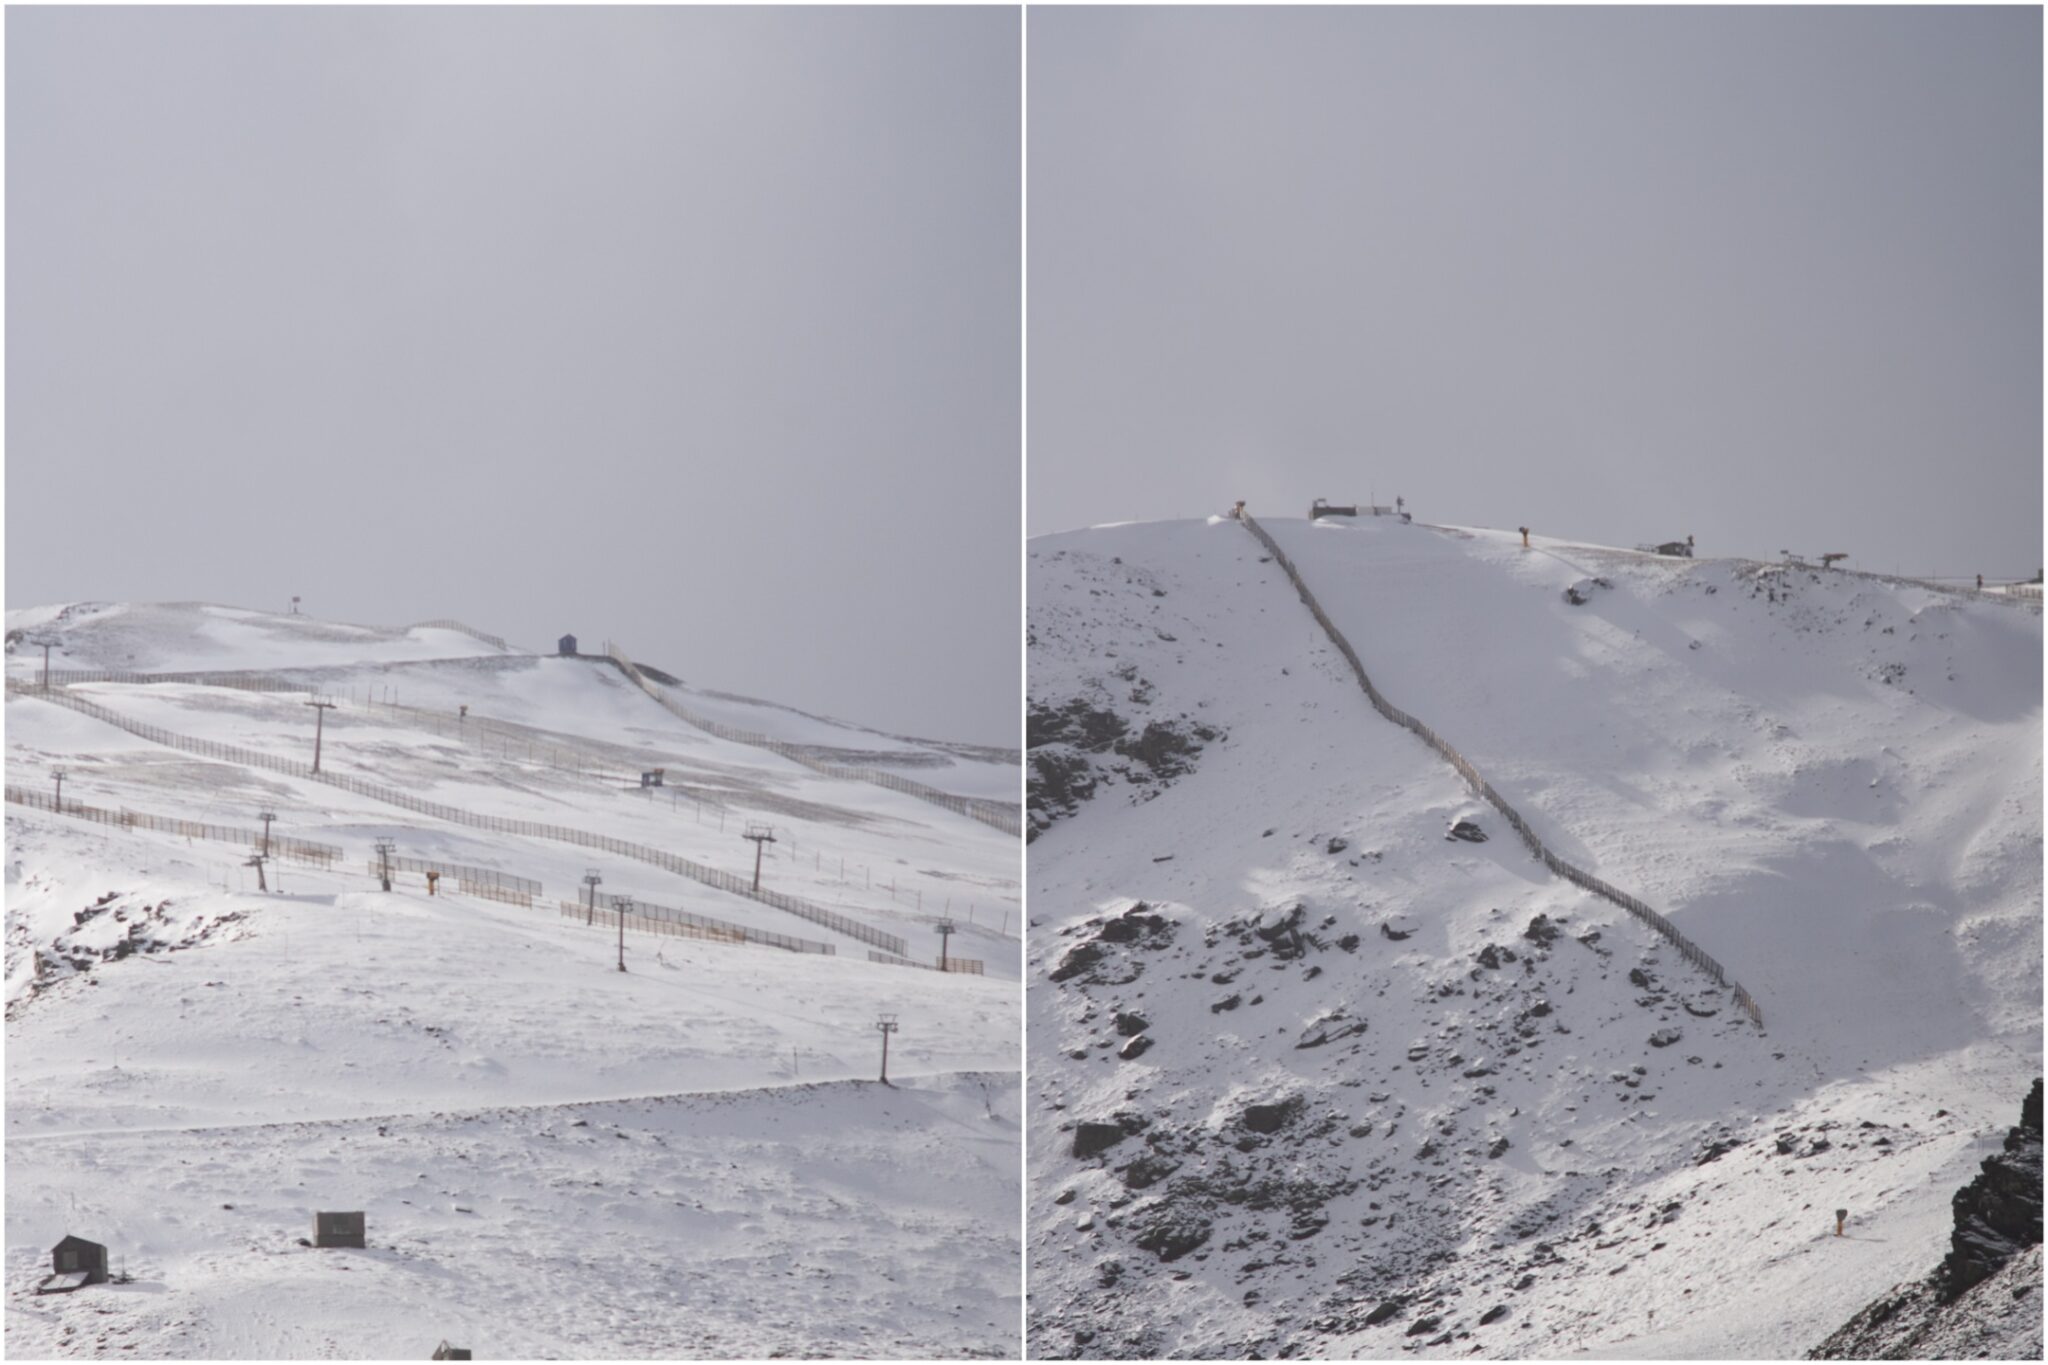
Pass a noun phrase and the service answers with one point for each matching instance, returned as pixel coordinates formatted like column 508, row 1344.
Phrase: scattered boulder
column 1493, row 1315
column 1093, row 1139
column 1665, row 1037
column 1542, row 929
column 1271, row 1118
column 1131, row 1024
column 1467, row 831
column 1135, row 1048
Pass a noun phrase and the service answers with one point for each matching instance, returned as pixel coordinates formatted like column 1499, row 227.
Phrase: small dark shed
column 652, row 777
column 338, row 1230
column 1319, row 508
column 566, row 645
column 446, row 1352
column 75, row 1255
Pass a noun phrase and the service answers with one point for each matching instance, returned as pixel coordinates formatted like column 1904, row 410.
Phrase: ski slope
column 688, row 1158
column 1410, row 1093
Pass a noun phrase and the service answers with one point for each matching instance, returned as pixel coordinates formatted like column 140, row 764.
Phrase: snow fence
column 647, row 917
column 281, row 845
column 992, row 813
column 709, row 876
column 1691, row 951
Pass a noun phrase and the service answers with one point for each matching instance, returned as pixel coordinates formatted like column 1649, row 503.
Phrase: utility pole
column 295, row 604
column 384, row 847
column 887, row 1025
column 266, row 817
column 591, row 880
column 946, row 928
column 762, row 835
column 622, row 904
column 320, row 710
column 46, row 642
column 58, row 773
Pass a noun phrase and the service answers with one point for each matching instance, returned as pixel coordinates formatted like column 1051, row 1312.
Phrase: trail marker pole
column 591, row 880
column 762, row 836
column 887, row 1025
column 320, row 710
column 1841, row 1217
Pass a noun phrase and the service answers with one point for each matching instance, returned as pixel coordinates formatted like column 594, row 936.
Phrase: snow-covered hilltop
column 689, row 1158
column 1315, row 1077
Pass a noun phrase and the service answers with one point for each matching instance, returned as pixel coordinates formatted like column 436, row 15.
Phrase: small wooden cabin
column 74, row 1263
column 566, row 646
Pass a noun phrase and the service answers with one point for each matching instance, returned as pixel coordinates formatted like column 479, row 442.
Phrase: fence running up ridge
column 670, row 862
column 992, row 813
column 281, row 845
column 1691, row 951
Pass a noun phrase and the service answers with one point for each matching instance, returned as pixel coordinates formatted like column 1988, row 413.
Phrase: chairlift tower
column 320, row 710
column 58, row 773
column 620, row 905
column 762, row 836
column 887, row 1025
column 947, row 928
column 266, row 817
column 384, row 849
column 257, row 860
column 591, row 880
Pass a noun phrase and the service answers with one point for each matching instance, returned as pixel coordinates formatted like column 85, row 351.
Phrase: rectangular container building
column 338, row 1230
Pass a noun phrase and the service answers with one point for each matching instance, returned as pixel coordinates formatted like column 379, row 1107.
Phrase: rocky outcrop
column 1998, row 1213
column 1984, row 1300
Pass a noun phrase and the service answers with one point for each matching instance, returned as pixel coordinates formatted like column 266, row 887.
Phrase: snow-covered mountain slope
column 1318, row 1079
column 179, row 1041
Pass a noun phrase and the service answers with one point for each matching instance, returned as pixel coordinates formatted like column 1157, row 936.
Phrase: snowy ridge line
column 723, row 881
column 968, row 965
column 298, row 850
column 1004, row 817
column 686, row 925
column 471, row 631
column 1691, row 951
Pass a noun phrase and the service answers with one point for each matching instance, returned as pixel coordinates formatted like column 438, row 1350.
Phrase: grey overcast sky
column 1768, row 276
column 693, row 328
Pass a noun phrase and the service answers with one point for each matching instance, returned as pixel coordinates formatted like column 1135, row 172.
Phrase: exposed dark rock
column 1999, row 1212
column 1386, row 1310
column 1337, row 844
column 1665, row 1037
column 1271, row 1118
column 1421, row 1325
column 1493, row 1315
column 1131, row 1024
column 1391, row 932
column 1543, row 930
column 1499, row 1148
column 1078, row 959
column 1168, row 1231
column 1148, row 1170
column 1092, row 1139
column 1329, row 1027
column 1229, row 1002
column 1466, row 830
column 1135, row 1048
